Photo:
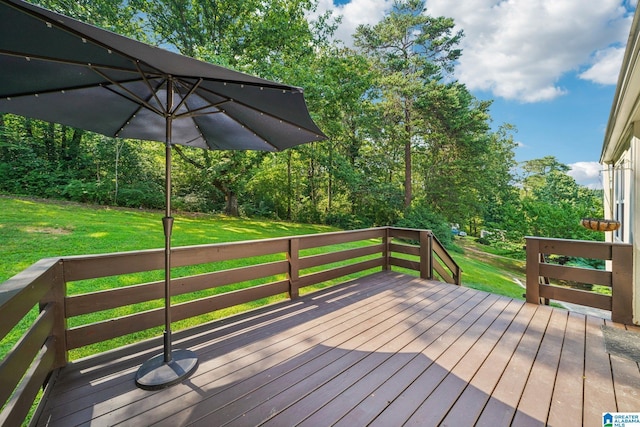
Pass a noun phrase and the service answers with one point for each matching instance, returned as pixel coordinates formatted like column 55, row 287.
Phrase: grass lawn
column 489, row 272
column 34, row 229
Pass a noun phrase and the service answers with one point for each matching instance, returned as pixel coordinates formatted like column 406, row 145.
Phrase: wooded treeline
column 408, row 145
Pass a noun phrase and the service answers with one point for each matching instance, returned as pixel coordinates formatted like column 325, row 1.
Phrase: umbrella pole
column 172, row 366
column 167, row 224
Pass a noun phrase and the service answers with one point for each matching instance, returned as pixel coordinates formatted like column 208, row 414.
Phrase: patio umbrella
column 61, row 70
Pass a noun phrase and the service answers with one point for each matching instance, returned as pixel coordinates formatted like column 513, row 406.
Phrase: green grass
column 489, row 272
column 33, row 229
column 482, row 276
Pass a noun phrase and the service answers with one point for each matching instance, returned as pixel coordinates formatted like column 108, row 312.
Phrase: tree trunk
column 289, row 186
column 407, row 175
column 330, row 183
column 50, row 142
column 232, row 204
column 72, row 148
column 407, row 157
column 119, row 144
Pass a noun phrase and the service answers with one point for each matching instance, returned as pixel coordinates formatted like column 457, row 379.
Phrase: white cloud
column 354, row 13
column 518, row 49
column 587, row 174
column 606, row 66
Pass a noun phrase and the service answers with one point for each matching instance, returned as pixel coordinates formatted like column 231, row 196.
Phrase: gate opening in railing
column 618, row 280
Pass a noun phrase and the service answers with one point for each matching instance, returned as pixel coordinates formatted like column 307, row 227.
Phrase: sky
column 550, row 67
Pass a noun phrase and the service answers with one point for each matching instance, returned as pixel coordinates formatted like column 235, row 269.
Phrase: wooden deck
column 385, row 350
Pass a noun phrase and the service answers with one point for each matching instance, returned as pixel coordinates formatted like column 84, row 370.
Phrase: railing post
column 426, row 262
column 293, row 256
column 533, row 270
column 386, row 253
column 55, row 297
column 621, row 284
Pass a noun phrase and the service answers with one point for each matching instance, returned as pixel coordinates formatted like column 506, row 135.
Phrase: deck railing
column 618, row 278
column 286, row 264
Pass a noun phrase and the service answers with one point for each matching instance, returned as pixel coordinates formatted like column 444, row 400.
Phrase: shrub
column 344, row 220
column 194, row 202
column 420, row 216
column 141, row 195
column 87, row 192
column 483, row 241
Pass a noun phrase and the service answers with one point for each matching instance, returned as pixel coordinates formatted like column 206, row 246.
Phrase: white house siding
column 620, row 157
column 634, row 220
column 621, row 201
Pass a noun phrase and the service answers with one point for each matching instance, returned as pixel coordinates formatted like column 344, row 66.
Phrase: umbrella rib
column 197, row 112
column 72, row 62
column 151, row 89
column 193, row 88
column 134, row 97
column 253, row 130
column 155, row 72
column 202, row 111
column 62, row 89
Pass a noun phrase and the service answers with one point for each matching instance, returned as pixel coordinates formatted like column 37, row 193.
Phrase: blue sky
column 551, row 67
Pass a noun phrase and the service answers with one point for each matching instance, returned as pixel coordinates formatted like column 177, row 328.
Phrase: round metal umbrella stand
column 158, row 373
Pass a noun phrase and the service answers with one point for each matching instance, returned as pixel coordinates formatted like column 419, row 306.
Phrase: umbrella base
column 156, row 374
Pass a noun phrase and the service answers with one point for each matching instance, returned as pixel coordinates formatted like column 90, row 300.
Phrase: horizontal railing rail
column 618, row 277
column 36, row 302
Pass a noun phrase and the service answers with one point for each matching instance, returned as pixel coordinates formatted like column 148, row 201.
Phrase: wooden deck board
column 352, row 355
column 377, row 350
column 468, row 407
column 403, row 407
column 438, row 404
column 536, row 397
column 405, row 358
column 501, row 406
column 366, row 411
column 304, row 360
column 383, row 350
column 567, row 401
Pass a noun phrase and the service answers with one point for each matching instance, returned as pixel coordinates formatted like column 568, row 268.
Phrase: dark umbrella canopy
column 57, row 69
column 61, row 70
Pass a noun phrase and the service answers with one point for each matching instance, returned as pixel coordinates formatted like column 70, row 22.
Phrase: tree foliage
column 407, row 143
column 409, row 49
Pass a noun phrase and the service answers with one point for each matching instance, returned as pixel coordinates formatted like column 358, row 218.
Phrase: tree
column 536, row 170
column 119, row 16
column 555, row 206
column 454, row 153
column 409, row 48
column 501, row 204
column 337, row 90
